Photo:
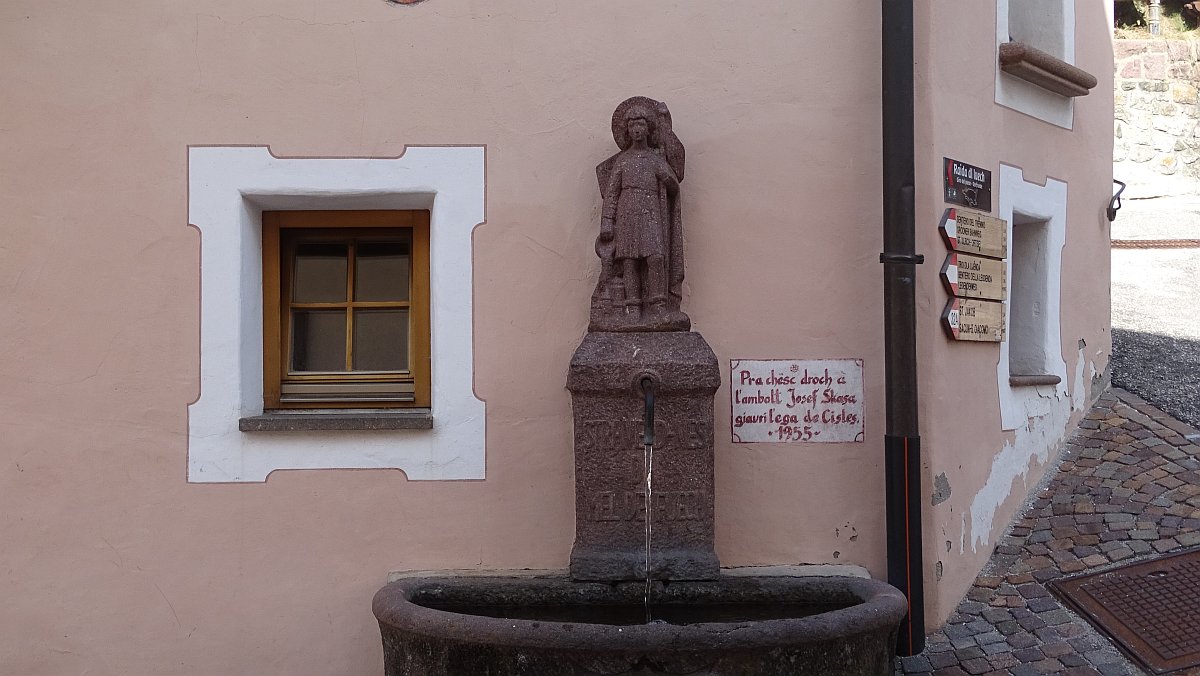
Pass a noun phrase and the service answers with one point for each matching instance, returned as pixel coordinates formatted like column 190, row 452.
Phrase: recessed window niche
column 1040, row 24
column 1028, row 303
column 1032, row 370
column 1047, row 26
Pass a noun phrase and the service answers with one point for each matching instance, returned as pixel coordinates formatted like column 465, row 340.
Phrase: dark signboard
column 967, row 185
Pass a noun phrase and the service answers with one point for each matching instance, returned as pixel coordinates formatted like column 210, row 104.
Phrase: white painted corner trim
column 1037, row 415
column 228, row 188
column 1049, row 202
column 1026, row 97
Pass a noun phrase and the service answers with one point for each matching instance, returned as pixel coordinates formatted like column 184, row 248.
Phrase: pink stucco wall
column 113, row 564
column 957, row 117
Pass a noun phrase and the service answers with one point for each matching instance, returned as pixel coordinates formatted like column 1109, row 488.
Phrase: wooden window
column 346, row 309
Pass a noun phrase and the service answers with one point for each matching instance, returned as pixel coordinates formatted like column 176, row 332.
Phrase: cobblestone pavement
column 1128, row 488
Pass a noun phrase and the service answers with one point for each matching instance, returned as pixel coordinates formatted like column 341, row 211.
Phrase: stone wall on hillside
column 1156, row 113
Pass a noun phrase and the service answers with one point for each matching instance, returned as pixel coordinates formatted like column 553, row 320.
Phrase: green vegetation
column 1178, row 16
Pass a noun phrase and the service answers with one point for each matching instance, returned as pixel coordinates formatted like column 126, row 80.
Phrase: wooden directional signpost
column 969, row 276
column 976, row 320
column 976, row 275
column 974, row 233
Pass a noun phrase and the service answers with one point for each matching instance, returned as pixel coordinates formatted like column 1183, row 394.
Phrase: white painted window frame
column 228, row 189
column 1020, row 95
column 1043, row 202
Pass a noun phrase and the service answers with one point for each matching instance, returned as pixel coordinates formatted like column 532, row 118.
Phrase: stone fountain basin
column 548, row 624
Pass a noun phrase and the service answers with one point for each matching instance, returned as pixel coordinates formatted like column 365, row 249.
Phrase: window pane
column 381, row 271
column 320, row 273
column 318, row 340
column 381, row 340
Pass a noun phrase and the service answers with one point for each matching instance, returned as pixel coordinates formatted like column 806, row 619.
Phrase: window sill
column 1033, row 380
column 349, row 420
column 1048, row 72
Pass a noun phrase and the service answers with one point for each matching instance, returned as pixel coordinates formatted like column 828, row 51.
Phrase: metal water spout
column 648, row 395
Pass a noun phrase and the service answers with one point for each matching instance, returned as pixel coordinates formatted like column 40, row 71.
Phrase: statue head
column 639, row 126
column 637, row 111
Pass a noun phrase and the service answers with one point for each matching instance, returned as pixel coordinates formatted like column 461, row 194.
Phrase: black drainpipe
column 902, row 442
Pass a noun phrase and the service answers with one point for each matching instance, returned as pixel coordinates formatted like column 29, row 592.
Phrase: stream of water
column 649, row 460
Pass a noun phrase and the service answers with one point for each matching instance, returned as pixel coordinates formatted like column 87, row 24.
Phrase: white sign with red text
column 796, row 400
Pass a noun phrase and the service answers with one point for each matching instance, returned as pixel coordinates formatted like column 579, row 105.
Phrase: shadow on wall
column 1163, row 370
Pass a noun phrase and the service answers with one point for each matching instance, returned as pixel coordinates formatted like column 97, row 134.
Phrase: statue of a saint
column 641, row 231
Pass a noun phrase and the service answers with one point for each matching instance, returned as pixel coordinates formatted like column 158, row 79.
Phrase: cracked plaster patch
column 941, row 489
column 1045, row 430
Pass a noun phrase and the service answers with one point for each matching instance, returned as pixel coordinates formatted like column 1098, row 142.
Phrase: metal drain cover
column 1151, row 609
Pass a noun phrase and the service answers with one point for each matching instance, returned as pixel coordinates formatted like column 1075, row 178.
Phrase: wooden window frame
column 276, row 306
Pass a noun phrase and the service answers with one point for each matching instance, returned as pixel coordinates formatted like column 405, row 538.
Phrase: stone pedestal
column 610, row 471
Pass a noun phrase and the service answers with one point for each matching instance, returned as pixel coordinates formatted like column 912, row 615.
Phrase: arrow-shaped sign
column 969, row 276
column 974, row 233
column 974, row 320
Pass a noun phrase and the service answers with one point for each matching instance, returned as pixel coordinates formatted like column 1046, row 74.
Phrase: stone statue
column 638, row 334
column 641, row 231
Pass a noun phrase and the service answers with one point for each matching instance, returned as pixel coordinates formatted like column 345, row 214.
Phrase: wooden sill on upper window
column 1048, row 72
